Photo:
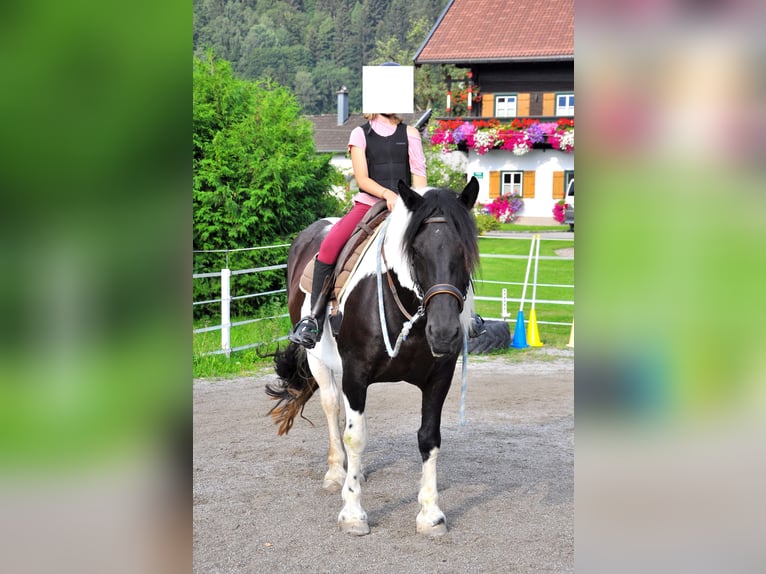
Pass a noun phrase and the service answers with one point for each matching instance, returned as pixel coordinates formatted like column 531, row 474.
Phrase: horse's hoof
column 428, row 528
column 332, row 486
column 354, row 527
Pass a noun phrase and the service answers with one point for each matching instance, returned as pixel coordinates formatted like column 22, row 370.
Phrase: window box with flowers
column 519, row 136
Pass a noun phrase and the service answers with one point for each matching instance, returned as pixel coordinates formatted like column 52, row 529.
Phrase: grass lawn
column 492, row 275
column 531, row 228
column 496, row 272
column 240, row 362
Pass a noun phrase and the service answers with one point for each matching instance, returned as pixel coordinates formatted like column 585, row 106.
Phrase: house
column 518, row 57
column 332, row 131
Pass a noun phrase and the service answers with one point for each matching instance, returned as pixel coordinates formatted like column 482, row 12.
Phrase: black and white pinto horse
column 428, row 254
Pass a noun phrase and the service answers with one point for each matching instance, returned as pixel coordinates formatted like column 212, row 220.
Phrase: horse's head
column 440, row 244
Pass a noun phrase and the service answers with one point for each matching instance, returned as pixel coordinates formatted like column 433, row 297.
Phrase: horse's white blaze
column 428, row 497
column 355, row 440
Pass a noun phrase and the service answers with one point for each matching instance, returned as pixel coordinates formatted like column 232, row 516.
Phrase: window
column 511, row 182
column 565, row 105
column 505, row 106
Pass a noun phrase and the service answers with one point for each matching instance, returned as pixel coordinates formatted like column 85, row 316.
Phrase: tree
column 257, row 179
column 306, row 91
column 430, row 80
column 278, row 38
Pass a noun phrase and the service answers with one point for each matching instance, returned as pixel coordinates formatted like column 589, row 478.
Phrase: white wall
column 543, row 162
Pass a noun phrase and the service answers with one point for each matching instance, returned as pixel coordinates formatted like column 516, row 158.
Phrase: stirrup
column 306, row 332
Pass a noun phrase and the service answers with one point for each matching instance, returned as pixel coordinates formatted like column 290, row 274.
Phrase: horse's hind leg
column 330, row 396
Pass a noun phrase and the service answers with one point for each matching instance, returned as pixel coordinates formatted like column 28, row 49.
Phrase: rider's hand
column 390, row 197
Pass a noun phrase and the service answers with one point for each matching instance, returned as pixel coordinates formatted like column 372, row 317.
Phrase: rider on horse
column 383, row 151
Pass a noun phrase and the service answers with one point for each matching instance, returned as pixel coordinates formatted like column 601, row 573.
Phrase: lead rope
column 392, row 352
column 464, row 385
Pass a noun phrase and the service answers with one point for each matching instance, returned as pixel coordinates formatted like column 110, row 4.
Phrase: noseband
column 444, row 288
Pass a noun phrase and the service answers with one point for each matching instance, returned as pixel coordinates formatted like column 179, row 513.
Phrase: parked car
column 569, row 209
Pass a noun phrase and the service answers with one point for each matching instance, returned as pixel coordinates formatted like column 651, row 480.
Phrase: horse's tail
column 294, row 389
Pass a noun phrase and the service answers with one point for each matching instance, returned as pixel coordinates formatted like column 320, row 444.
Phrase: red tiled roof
column 505, row 30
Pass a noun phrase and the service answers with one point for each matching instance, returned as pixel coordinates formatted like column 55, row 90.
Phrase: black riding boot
column 308, row 330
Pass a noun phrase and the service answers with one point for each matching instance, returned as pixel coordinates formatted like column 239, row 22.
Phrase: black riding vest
column 388, row 158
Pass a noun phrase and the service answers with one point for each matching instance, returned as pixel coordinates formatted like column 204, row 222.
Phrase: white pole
column 504, row 313
column 534, row 281
column 526, row 275
column 226, row 311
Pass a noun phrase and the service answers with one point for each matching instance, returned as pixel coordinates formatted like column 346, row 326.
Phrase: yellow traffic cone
column 571, row 336
column 533, row 337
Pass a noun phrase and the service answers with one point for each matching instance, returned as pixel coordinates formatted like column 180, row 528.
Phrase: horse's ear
column 470, row 193
column 410, row 198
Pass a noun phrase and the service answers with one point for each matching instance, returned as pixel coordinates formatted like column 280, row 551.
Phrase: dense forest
column 314, row 47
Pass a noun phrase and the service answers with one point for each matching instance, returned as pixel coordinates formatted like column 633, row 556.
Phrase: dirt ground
column 505, row 479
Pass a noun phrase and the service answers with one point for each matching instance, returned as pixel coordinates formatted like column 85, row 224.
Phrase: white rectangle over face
column 388, row 89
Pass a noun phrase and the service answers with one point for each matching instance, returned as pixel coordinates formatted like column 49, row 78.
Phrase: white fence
column 504, row 299
column 226, row 298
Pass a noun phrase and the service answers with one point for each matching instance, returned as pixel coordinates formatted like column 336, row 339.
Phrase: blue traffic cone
column 519, row 334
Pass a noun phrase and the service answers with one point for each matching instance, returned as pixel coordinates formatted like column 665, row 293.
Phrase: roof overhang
column 502, row 60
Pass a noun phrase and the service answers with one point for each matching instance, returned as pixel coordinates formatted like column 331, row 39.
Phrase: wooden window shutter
column 488, row 105
column 558, row 185
column 549, row 104
column 494, row 184
column 522, row 109
column 528, row 191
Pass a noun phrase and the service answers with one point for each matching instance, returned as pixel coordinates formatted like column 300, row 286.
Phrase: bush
column 257, row 179
column 505, row 208
column 486, row 222
column 444, row 171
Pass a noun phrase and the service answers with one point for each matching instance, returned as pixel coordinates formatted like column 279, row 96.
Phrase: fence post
column 504, row 311
column 226, row 311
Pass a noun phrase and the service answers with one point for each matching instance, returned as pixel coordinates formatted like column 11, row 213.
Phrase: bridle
column 438, row 289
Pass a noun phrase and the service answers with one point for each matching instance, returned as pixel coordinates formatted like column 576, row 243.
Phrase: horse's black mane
column 447, row 203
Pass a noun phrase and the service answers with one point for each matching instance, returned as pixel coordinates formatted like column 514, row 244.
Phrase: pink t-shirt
column 385, row 129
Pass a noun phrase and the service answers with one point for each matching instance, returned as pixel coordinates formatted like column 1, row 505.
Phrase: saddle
column 349, row 257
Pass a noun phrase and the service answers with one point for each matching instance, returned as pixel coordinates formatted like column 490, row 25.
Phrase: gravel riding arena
column 505, row 479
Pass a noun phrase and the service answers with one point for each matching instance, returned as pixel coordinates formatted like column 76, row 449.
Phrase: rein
column 392, row 351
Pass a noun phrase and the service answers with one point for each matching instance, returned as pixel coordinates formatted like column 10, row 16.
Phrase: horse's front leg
column 330, row 396
column 431, row 519
column 352, row 518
